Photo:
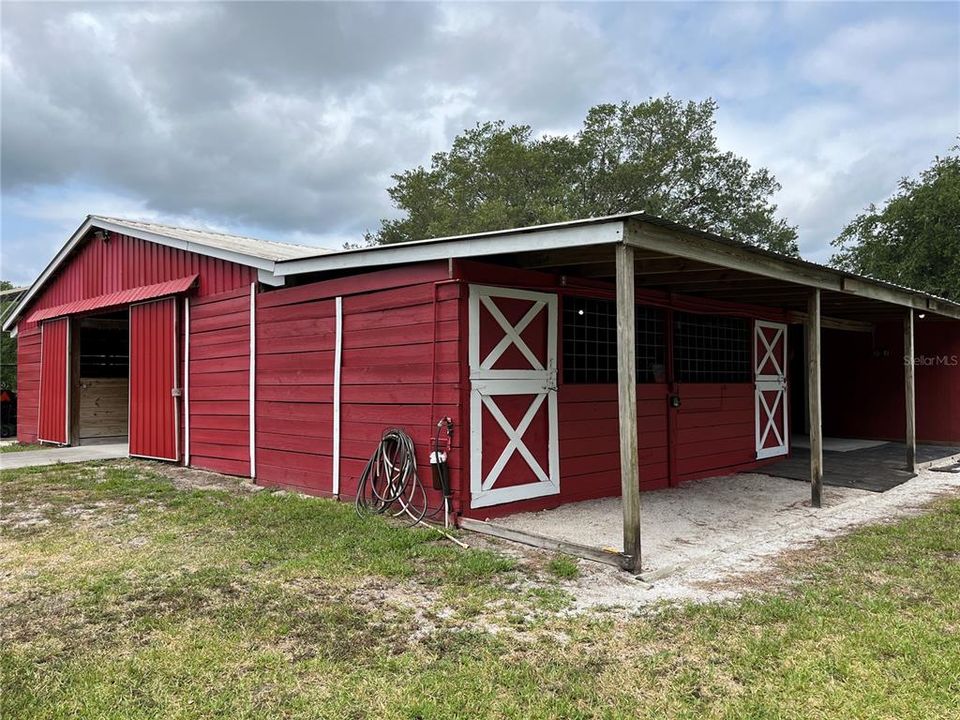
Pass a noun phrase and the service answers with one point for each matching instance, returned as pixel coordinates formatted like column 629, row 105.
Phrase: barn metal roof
column 261, row 254
column 117, row 299
column 652, row 237
column 252, row 247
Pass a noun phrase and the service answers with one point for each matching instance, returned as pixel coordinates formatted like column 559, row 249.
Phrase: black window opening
column 711, row 349
column 104, row 349
column 590, row 342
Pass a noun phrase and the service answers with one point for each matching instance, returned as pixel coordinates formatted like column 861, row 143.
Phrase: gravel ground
column 710, row 540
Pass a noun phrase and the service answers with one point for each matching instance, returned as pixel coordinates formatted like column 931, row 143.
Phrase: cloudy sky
column 285, row 121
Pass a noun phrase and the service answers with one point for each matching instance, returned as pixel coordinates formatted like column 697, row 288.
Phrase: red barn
column 579, row 360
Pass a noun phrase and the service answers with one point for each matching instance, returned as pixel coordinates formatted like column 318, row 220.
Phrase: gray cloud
column 290, row 117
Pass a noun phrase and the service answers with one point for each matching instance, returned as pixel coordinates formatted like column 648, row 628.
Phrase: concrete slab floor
column 52, row 456
column 687, row 523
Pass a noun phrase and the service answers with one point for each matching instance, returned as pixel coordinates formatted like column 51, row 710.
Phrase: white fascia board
column 47, row 272
column 264, row 267
column 187, row 245
column 266, row 277
column 551, row 238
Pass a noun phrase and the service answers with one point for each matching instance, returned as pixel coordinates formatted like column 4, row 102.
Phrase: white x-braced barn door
column 770, row 354
column 514, row 451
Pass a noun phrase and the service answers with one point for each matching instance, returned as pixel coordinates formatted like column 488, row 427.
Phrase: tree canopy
column 914, row 239
column 8, row 347
column 659, row 156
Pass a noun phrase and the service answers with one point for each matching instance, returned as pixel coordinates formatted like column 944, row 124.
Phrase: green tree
column 8, row 346
column 660, row 156
column 914, row 239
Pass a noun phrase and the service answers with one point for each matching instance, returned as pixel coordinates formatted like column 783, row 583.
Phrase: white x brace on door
column 514, row 447
column 770, row 353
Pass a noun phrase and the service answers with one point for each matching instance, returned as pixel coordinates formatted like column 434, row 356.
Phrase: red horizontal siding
column 220, row 382
column 387, row 367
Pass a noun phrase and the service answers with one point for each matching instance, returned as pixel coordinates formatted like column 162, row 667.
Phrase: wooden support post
column 813, row 398
column 627, row 395
column 909, row 372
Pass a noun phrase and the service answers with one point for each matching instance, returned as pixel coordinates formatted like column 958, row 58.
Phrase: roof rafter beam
column 731, row 255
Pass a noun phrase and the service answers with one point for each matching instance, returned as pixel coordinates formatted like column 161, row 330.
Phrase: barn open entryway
column 101, row 372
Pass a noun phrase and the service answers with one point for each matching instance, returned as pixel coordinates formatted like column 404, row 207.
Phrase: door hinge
column 176, row 392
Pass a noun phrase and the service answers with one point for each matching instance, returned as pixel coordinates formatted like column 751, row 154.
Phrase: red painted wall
column 712, row 433
column 98, row 267
column 386, row 373
column 220, row 382
column 856, row 365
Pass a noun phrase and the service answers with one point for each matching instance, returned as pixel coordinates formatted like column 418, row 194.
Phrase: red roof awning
column 116, row 299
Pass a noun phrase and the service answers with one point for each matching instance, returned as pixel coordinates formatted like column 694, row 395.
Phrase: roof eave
column 605, row 231
column 728, row 253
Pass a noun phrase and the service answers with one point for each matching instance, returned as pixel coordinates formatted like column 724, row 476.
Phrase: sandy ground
column 686, row 523
column 723, row 562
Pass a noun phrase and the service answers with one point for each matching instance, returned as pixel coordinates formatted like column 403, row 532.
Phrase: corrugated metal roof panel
column 117, row 299
column 264, row 249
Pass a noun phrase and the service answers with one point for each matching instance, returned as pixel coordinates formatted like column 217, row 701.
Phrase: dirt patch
column 184, row 478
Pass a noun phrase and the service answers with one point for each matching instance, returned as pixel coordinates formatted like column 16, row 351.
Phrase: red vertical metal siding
column 28, row 383
column 153, row 352
column 54, row 380
column 98, row 267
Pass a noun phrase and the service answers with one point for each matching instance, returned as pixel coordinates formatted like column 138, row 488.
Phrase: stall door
column 770, row 353
column 54, row 381
column 514, row 452
column 154, row 422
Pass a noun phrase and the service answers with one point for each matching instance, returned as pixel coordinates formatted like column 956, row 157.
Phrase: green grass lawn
column 126, row 597
column 22, row 447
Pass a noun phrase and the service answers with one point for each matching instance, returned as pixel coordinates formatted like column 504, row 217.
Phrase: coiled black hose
column 390, row 484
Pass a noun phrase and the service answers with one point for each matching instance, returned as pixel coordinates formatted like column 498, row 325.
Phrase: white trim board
column 337, row 362
column 253, row 380
column 186, row 380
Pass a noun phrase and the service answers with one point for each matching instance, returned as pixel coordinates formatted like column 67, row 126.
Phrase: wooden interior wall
column 103, row 407
column 863, row 394
column 220, row 382
column 386, row 373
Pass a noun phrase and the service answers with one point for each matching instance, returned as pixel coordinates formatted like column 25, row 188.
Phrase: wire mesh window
column 590, row 342
column 711, row 349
